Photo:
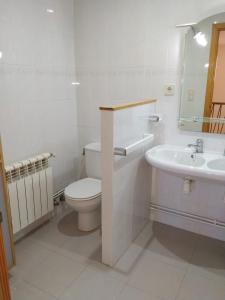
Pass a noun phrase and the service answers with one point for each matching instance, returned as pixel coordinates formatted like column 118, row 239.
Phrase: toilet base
column 88, row 221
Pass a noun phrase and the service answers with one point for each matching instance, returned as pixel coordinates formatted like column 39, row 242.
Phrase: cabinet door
column 4, row 282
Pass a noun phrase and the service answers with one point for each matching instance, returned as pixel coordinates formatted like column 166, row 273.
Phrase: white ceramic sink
column 182, row 160
column 217, row 164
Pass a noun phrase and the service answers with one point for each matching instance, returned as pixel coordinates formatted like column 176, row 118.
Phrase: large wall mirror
column 202, row 105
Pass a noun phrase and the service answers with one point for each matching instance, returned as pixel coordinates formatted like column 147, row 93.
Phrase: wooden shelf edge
column 127, row 105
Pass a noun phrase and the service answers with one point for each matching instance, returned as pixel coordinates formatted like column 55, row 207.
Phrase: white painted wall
column 38, row 111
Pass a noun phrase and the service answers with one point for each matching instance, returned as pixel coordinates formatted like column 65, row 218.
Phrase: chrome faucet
column 198, row 146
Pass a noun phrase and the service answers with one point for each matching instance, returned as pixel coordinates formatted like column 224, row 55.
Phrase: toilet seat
column 83, row 189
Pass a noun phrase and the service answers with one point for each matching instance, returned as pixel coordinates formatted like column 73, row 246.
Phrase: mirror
column 202, row 105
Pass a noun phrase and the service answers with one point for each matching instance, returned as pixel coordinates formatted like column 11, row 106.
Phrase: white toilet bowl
column 84, row 196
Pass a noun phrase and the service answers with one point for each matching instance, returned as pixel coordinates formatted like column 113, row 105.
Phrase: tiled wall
column 128, row 50
column 126, row 181
column 38, row 110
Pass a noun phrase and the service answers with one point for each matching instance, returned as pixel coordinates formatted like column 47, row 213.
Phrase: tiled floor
column 59, row 262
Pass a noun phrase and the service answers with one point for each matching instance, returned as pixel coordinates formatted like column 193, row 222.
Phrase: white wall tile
column 38, row 103
column 136, row 49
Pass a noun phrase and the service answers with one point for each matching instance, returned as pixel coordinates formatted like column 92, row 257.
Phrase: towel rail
column 124, row 151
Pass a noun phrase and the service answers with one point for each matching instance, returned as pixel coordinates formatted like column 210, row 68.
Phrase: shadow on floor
column 68, row 225
column 87, row 244
column 182, row 245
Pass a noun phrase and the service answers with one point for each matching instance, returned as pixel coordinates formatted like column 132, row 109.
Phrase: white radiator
column 30, row 187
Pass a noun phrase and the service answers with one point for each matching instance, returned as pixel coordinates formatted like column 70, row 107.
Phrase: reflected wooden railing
column 217, row 111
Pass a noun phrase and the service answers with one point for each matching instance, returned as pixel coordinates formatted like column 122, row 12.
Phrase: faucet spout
column 198, row 146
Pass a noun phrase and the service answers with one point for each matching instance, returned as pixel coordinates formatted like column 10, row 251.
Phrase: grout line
column 38, row 288
column 156, row 297
column 71, row 283
column 180, row 286
column 186, row 271
column 187, row 268
column 123, row 288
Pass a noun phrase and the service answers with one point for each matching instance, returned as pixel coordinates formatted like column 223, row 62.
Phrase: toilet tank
column 93, row 160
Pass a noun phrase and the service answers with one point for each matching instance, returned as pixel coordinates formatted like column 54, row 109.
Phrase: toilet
column 84, row 195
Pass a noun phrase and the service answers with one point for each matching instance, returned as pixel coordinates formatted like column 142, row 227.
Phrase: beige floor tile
column 129, row 261
column 209, row 257
column 169, row 244
column 16, row 275
column 170, row 252
column 29, row 253
column 53, row 261
column 124, row 267
column 80, row 246
column 131, row 293
column 86, row 245
column 156, row 277
column 94, row 285
column 197, row 287
column 73, row 255
column 108, row 271
column 24, row 291
column 49, row 236
column 54, row 274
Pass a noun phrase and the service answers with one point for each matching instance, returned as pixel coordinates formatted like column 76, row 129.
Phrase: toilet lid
column 83, row 189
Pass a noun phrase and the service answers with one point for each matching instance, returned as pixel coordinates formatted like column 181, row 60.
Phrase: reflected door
column 215, row 92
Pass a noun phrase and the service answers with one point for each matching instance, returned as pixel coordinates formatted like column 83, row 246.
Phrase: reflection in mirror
column 215, row 91
column 202, row 106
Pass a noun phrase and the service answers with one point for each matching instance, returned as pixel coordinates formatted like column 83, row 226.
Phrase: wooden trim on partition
column 4, row 280
column 127, row 105
column 7, row 203
column 216, row 28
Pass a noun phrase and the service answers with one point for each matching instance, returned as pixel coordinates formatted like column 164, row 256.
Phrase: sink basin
column 183, row 161
column 217, row 164
column 179, row 157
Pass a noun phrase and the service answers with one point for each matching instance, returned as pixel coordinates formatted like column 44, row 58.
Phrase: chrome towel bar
column 124, row 151
column 154, row 118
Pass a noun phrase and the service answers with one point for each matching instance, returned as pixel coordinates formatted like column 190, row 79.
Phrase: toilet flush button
column 169, row 89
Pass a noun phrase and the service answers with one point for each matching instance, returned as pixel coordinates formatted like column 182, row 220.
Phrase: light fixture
column 75, row 83
column 50, row 11
column 206, row 65
column 1, row 54
column 199, row 37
